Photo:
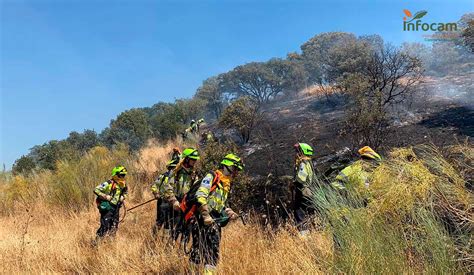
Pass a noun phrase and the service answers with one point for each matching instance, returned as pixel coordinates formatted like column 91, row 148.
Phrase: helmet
column 304, row 148
column 191, row 153
column 201, row 120
column 172, row 164
column 368, row 152
column 119, row 170
column 233, row 160
column 193, row 121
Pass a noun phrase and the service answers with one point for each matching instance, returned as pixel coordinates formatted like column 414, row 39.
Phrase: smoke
column 457, row 89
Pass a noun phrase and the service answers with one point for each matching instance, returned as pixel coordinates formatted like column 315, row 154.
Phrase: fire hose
column 125, row 210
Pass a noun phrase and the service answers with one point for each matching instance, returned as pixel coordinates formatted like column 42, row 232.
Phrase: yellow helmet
column 368, row 152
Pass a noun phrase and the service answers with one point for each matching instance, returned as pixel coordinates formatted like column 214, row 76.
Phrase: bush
column 418, row 217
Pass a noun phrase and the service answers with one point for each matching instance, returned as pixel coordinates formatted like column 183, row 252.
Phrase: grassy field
column 416, row 217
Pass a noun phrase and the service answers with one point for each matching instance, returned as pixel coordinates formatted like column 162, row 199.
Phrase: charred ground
column 441, row 114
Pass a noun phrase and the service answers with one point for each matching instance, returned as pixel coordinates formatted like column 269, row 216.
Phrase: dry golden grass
column 154, row 156
column 57, row 243
column 318, row 90
column 398, row 231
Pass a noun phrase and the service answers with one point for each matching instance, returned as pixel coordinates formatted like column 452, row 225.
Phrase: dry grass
column 318, row 90
column 418, row 219
column 60, row 243
column 54, row 237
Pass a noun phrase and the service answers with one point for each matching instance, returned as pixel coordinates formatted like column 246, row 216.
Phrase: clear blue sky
column 74, row 65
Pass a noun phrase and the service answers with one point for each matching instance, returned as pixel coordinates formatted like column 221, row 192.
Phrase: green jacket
column 357, row 175
column 304, row 173
column 178, row 184
column 215, row 200
column 159, row 186
column 111, row 188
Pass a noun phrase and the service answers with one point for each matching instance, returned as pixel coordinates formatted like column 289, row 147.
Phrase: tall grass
column 416, row 216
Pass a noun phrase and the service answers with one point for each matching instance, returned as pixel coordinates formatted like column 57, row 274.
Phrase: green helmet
column 191, row 153
column 233, row 160
column 119, row 170
column 304, row 148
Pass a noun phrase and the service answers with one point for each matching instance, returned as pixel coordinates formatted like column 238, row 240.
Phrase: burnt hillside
column 441, row 113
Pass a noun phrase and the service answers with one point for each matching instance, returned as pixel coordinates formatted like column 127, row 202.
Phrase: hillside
column 441, row 114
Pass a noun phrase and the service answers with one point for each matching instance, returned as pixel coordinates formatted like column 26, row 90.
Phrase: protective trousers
column 109, row 221
column 302, row 209
column 206, row 242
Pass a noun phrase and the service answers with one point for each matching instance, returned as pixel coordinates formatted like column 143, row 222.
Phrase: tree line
column 363, row 71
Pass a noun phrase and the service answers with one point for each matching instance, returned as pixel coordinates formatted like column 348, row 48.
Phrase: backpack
column 189, row 203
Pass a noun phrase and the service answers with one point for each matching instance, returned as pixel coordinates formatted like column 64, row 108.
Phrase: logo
column 413, row 23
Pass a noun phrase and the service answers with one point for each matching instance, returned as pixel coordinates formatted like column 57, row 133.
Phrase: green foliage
column 213, row 153
column 416, row 219
column 264, row 81
column 69, row 188
column 315, row 53
column 213, row 95
column 167, row 122
column 130, row 127
column 242, row 115
column 189, row 109
column 25, row 164
column 72, row 184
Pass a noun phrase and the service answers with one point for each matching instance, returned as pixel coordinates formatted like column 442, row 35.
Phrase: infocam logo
column 413, row 23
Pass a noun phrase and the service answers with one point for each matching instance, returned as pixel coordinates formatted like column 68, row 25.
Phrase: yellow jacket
column 304, row 173
column 357, row 175
column 215, row 200
column 111, row 188
column 178, row 184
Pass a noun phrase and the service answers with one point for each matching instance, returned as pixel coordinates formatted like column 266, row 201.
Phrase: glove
column 208, row 220
column 176, row 206
column 107, row 197
column 231, row 214
column 122, row 198
column 156, row 195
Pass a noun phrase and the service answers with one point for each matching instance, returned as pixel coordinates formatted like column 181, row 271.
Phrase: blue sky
column 74, row 65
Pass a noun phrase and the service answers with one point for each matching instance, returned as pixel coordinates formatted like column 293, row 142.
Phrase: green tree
column 23, row 165
column 391, row 75
column 212, row 94
column 315, row 53
column 167, row 121
column 83, row 141
column 130, row 127
column 264, row 81
column 292, row 75
column 189, row 109
column 242, row 115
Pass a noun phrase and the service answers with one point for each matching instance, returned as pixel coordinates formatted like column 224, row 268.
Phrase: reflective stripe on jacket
column 305, row 173
column 215, row 200
column 178, row 184
column 356, row 175
column 159, row 186
column 111, row 188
